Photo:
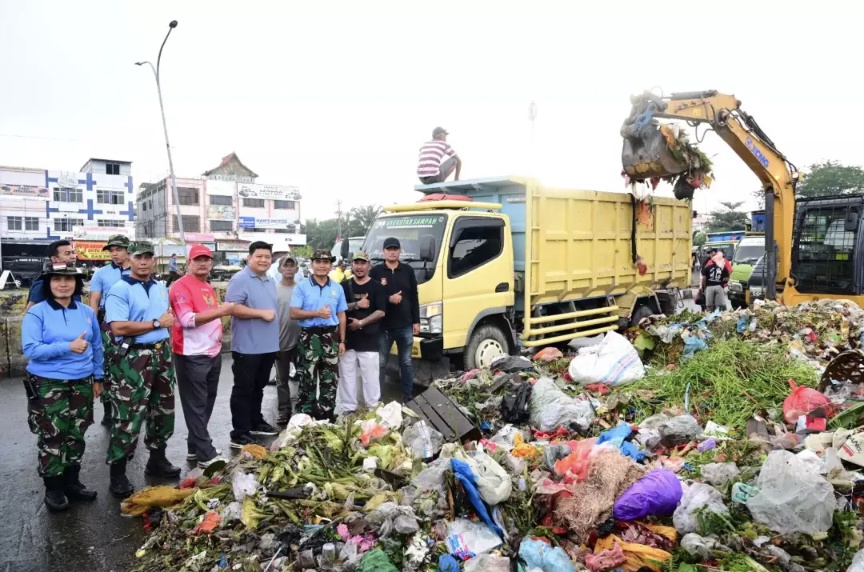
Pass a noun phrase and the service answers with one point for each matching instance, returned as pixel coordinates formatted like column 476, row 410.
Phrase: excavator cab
column 646, row 154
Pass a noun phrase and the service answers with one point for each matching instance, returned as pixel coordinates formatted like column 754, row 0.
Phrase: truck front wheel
column 486, row 343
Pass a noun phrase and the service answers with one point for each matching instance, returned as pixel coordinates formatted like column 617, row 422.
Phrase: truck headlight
column 431, row 318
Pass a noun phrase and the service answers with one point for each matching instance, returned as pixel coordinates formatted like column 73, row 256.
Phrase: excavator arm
column 645, row 155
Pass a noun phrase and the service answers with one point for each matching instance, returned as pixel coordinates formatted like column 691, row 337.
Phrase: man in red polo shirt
column 197, row 347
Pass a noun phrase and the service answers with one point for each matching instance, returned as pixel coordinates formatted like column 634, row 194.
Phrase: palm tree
column 361, row 218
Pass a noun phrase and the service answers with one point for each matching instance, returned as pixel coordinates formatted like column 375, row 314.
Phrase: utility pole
column 339, row 218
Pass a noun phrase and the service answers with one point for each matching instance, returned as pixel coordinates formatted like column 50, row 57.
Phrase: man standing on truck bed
column 432, row 167
column 401, row 321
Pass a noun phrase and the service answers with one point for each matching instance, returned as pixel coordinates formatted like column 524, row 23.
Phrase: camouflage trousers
column 60, row 411
column 108, row 348
column 317, row 373
column 142, row 388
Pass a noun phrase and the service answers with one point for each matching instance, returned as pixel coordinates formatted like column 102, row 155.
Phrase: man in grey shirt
column 254, row 343
column 289, row 334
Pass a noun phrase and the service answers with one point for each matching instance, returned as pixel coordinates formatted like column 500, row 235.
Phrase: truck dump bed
column 575, row 244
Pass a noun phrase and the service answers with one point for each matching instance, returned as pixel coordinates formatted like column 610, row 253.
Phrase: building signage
column 101, row 232
column 24, row 191
column 221, row 212
column 86, row 250
column 254, row 222
column 277, row 192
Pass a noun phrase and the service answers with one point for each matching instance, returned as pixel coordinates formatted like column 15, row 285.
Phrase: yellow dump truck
column 523, row 265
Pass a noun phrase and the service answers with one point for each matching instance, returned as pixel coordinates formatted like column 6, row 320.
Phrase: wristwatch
column 156, row 324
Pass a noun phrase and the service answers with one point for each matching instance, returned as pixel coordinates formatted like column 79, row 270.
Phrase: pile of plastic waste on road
column 636, row 452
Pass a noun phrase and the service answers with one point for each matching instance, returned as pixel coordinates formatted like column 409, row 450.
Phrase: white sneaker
column 192, row 457
column 205, row 464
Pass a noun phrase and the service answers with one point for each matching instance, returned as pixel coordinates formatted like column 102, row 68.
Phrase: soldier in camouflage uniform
column 61, row 339
column 319, row 305
column 142, row 388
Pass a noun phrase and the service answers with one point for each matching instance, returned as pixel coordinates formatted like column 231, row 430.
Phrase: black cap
column 391, row 242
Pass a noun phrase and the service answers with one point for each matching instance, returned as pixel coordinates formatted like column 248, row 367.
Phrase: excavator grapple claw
column 646, row 155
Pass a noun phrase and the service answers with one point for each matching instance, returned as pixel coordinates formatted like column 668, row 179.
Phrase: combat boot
column 159, row 466
column 72, row 485
column 55, row 499
column 120, row 485
column 107, row 419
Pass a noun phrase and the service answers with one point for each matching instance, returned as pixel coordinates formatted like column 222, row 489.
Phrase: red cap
column 199, row 250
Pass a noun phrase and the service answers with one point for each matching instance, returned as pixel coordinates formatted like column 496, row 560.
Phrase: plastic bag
column 538, row 554
column 376, row 561
column 468, row 536
column 613, row 362
column 637, row 556
column 857, row 562
column 488, row 563
column 802, row 401
column 548, row 354
column 655, row 494
column 493, row 482
column 551, row 408
column 423, row 441
column 696, row 496
column 696, row 545
column 617, row 437
column 792, row 496
column 679, row 430
column 243, row 485
column 719, row 473
column 515, row 405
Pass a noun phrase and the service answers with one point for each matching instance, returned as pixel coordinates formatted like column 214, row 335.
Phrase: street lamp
column 155, row 70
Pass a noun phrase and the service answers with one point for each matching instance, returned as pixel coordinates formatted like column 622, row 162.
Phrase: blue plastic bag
column 538, row 554
column 616, row 436
column 465, row 475
column 447, row 564
column 655, row 494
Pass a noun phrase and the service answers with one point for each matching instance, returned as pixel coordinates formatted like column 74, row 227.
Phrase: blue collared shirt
column 47, row 331
column 131, row 300
column 310, row 296
column 106, row 277
column 253, row 335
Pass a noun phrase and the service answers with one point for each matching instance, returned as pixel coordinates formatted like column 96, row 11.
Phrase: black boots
column 72, row 486
column 120, row 485
column 106, row 417
column 158, row 465
column 55, row 499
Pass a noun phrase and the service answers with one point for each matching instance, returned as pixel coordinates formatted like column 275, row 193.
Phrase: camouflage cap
column 361, row 256
column 141, row 248
column 323, row 254
column 117, row 240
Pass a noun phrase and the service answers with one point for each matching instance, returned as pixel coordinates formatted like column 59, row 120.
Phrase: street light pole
column 155, row 70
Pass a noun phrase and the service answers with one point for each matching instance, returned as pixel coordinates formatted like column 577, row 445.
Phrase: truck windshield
column 409, row 229
column 749, row 252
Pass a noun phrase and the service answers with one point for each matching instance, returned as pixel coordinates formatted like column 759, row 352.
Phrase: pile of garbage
column 621, row 456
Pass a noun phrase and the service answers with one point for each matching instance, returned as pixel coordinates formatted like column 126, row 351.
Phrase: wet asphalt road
column 89, row 536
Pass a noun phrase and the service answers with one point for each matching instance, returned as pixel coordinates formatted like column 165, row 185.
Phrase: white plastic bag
column 493, row 482
column 719, row 473
column 613, row 362
column 471, row 536
column 243, row 485
column 551, row 407
column 696, row 496
column 857, row 562
column 423, row 441
column 488, row 563
column 793, row 496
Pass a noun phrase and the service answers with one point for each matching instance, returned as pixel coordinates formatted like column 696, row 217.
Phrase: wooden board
column 443, row 415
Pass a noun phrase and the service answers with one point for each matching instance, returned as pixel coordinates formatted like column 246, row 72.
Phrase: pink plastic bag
column 802, row 401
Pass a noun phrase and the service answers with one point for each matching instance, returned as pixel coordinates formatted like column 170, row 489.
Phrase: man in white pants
column 367, row 301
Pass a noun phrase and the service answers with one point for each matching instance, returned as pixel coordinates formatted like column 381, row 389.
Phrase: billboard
column 277, row 192
column 86, row 250
column 255, row 222
column 221, row 212
column 24, row 191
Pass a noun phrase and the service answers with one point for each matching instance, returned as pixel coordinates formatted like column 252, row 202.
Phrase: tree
column 831, row 178
column 361, row 219
column 356, row 222
column 728, row 219
column 305, row 251
column 700, row 239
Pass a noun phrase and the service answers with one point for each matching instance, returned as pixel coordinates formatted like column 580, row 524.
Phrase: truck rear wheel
column 486, row 343
column 639, row 313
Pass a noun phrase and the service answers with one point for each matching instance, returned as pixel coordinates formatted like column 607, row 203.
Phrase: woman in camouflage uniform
column 62, row 340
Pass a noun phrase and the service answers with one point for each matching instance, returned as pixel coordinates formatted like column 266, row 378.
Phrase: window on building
column 15, row 223
column 187, row 195
column 221, row 200
column 221, row 226
column 254, row 203
column 66, row 224
column 256, row 230
column 144, row 205
column 478, row 241
column 112, row 168
column 31, row 223
column 68, row 195
column 104, row 197
column 191, row 223
column 289, row 205
column 111, row 223
column 281, row 231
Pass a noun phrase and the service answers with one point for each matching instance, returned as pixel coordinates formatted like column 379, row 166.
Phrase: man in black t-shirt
column 367, row 301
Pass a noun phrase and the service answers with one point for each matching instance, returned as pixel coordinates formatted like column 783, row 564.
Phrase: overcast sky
column 337, row 97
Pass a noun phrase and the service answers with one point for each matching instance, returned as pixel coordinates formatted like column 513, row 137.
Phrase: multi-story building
column 224, row 208
column 38, row 206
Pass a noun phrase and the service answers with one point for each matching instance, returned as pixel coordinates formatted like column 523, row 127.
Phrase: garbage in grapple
column 742, row 454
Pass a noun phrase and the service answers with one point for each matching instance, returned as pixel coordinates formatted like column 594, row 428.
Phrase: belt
column 321, row 329
column 156, row 346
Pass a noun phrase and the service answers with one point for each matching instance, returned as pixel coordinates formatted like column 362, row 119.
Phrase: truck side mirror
column 427, row 248
column 343, row 250
column 851, row 222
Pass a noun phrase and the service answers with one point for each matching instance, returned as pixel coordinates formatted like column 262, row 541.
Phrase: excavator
column 810, row 248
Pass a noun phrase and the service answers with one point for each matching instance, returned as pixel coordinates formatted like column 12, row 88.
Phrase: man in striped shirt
column 433, row 167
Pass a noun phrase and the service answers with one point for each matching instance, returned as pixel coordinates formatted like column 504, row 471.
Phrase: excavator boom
column 645, row 155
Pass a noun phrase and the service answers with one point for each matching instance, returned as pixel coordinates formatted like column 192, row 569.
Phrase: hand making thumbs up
column 325, row 312
column 363, row 302
column 80, row 344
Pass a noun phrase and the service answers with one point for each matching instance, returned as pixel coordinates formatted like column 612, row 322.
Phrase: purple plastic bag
column 655, row 494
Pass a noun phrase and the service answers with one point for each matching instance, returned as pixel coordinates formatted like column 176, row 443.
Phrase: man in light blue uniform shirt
column 139, row 313
column 101, row 282
column 254, row 343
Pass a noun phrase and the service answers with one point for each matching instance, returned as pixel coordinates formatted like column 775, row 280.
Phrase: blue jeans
column 404, row 338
